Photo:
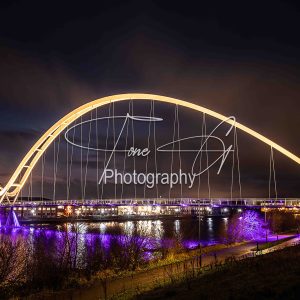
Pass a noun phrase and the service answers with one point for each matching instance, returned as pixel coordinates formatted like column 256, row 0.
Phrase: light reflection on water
column 157, row 232
column 177, row 226
column 188, row 229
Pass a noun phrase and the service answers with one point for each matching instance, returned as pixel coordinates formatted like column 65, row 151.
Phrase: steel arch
column 16, row 182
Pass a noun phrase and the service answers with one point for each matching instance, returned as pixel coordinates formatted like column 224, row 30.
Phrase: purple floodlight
column 12, row 220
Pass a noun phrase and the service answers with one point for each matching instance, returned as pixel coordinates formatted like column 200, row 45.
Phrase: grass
column 184, row 255
column 271, row 276
column 171, row 258
column 267, row 245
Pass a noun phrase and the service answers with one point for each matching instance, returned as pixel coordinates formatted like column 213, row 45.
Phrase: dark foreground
column 271, row 276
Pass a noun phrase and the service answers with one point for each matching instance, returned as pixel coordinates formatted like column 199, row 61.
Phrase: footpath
column 139, row 281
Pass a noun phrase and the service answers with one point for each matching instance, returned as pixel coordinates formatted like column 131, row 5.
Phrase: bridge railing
column 218, row 202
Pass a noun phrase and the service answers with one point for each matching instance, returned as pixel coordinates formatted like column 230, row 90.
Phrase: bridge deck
column 218, row 202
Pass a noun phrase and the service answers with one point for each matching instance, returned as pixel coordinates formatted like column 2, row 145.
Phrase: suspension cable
column 21, row 194
column 31, row 187
column 207, row 160
column 55, row 167
column 67, row 185
column 114, row 137
column 272, row 172
column 125, row 153
column 200, row 160
column 148, row 145
column 106, row 146
column 199, row 179
column 43, row 171
column 173, row 148
column 87, row 155
column 238, row 163
column 233, row 164
column 133, row 142
column 81, row 157
column 97, row 156
column 54, row 156
column 155, row 146
column 71, row 161
column 179, row 148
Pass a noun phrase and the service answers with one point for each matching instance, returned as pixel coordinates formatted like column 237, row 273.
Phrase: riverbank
column 131, row 284
column 93, row 259
column 109, row 283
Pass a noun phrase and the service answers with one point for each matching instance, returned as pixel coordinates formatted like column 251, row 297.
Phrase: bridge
column 10, row 193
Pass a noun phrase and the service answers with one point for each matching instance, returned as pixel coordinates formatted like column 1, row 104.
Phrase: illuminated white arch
column 19, row 177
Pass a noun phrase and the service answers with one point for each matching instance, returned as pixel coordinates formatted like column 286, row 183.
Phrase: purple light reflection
column 193, row 244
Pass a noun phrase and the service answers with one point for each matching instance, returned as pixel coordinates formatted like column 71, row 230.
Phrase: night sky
column 237, row 58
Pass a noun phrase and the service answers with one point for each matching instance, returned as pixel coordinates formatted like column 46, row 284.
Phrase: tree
column 247, row 226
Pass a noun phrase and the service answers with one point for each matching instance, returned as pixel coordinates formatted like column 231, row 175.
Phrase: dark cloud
column 29, row 82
